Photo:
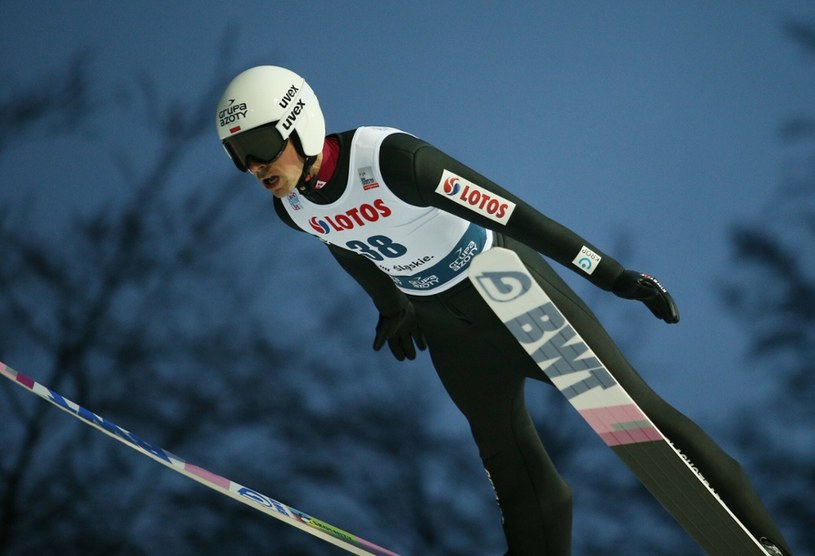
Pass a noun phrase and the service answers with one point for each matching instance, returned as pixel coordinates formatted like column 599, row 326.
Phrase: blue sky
column 656, row 119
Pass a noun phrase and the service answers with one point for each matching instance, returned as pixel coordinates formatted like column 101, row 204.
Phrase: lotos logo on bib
column 475, row 197
column 352, row 218
column 451, row 185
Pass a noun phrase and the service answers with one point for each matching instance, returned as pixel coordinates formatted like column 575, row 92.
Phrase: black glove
column 635, row 285
column 400, row 330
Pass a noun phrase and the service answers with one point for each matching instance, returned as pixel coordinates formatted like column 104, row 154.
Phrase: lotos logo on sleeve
column 475, row 197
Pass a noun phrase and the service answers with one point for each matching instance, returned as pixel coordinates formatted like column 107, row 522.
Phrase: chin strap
column 307, row 182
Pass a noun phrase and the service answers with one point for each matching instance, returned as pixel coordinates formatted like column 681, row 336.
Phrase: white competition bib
column 423, row 249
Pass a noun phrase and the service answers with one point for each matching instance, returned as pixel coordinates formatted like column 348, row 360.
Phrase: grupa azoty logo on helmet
column 232, row 114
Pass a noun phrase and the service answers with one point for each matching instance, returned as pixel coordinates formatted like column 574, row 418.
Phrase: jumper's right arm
column 378, row 285
column 387, row 298
column 397, row 324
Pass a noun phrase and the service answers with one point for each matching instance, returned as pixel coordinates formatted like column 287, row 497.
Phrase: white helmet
column 260, row 110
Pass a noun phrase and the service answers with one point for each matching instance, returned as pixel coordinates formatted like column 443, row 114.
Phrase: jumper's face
column 279, row 176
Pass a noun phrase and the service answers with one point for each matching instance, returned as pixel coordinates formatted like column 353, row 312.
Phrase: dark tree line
column 148, row 311
column 772, row 295
column 153, row 310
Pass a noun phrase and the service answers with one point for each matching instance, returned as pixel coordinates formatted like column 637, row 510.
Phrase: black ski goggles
column 262, row 144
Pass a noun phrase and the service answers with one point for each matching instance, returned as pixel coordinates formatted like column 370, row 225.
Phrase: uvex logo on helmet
column 475, row 197
column 352, row 218
column 294, row 104
column 288, row 97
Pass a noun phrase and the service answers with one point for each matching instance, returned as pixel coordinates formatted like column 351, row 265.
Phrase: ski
column 313, row 526
column 562, row 355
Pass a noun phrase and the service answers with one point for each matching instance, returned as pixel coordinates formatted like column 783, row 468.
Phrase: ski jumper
column 405, row 219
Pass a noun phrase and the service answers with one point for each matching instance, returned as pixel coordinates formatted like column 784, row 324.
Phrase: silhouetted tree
column 773, row 297
column 108, row 311
column 57, row 108
column 153, row 310
column 147, row 311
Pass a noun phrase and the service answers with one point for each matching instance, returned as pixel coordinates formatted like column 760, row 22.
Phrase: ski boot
column 770, row 547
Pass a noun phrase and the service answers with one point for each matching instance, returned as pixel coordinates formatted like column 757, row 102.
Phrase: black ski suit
column 486, row 380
